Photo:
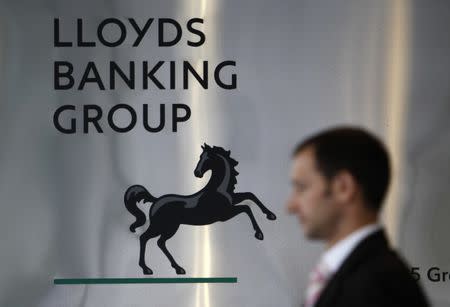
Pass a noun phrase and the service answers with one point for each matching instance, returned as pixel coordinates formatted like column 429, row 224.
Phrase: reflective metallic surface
column 302, row 66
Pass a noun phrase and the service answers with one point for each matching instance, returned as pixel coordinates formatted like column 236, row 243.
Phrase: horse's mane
column 226, row 154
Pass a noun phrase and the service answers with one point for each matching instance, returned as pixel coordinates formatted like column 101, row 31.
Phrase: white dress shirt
column 335, row 256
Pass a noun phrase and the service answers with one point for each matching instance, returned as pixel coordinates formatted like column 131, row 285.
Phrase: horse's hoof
column 271, row 216
column 180, row 271
column 147, row 271
column 259, row 236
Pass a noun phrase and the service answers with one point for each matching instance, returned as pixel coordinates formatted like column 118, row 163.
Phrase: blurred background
column 302, row 66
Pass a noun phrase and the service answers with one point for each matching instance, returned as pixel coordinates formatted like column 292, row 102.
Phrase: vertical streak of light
column 203, row 256
column 201, row 132
column 202, row 265
column 196, row 139
column 206, row 253
column 206, row 265
column 396, row 105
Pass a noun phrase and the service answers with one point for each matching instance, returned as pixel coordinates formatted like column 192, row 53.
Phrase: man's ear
column 344, row 187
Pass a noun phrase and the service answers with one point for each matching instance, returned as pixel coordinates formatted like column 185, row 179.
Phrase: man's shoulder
column 386, row 265
column 386, row 275
column 373, row 274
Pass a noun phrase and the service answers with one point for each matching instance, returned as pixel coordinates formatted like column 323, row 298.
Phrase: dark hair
column 356, row 151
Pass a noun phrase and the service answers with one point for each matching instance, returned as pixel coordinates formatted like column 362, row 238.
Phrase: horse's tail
column 133, row 195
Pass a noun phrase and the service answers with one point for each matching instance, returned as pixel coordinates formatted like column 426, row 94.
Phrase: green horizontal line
column 150, row 280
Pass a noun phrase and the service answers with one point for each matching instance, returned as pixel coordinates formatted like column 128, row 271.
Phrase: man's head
column 340, row 178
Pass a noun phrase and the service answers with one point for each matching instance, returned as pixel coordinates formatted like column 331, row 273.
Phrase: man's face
column 312, row 198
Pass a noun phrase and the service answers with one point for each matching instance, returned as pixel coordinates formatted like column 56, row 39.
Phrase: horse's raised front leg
column 162, row 245
column 235, row 210
column 143, row 239
column 240, row 197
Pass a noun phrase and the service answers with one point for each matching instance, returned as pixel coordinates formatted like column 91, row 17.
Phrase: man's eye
column 300, row 187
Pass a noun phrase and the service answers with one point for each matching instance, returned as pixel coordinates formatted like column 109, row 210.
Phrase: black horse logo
column 217, row 201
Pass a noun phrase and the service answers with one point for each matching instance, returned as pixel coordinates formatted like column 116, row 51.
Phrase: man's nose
column 291, row 206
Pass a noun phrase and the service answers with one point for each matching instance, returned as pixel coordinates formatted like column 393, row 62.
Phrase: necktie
column 317, row 281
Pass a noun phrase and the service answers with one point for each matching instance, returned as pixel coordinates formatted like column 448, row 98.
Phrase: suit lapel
column 374, row 243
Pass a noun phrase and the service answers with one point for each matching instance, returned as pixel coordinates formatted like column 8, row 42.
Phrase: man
column 340, row 178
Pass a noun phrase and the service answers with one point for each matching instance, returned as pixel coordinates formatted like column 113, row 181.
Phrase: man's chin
column 312, row 237
column 310, row 234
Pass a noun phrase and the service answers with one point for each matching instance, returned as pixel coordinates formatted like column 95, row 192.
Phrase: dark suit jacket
column 373, row 275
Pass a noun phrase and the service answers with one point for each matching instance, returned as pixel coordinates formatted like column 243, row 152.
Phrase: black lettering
column 172, row 75
column 94, row 120
column 58, row 75
column 162, row 118
column 187, row 67
column 140, row 32
column 176, row 119
column 111, row 118
column 150, row 75
column 161, row 23
column 199, row 33
column 219, row 82
column 57, row 124
column 433, row 275
column 123, row 32
column 81, row 42
column 96, row 79
column 129, row 80
column 56, row 41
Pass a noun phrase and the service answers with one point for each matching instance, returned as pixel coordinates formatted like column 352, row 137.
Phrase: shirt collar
column 335, row 256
